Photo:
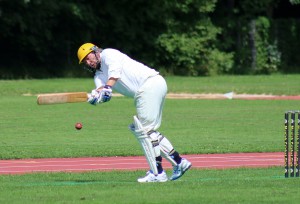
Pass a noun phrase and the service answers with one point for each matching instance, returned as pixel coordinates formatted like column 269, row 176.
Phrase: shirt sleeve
column 99, row 80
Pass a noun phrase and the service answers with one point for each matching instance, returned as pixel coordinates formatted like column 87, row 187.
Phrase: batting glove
column 94, row 97
column 106, row 93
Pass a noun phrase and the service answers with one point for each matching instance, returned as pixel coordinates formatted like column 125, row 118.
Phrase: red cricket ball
column 78, row 126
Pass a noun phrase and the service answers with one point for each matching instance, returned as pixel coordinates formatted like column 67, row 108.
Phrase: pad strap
column 165, row 146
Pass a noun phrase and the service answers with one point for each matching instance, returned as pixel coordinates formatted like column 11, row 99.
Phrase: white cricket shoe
column 150, row 177
column 180, row 169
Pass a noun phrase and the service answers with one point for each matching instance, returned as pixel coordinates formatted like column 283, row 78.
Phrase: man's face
column 91, row 60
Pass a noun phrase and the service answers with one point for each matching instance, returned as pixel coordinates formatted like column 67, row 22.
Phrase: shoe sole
column 156, row 181
column 153, row 181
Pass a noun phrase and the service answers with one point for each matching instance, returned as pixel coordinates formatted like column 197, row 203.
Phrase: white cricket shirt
column 130, row 73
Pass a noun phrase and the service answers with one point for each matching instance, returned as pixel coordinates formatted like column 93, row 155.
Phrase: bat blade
column 58, row 98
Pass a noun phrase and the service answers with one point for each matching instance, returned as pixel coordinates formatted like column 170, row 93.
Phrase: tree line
column 40, row 38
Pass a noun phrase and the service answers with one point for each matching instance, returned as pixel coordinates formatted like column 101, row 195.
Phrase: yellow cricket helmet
column 84, row 50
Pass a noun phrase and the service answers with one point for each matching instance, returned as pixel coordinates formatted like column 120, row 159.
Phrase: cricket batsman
column 114, row 70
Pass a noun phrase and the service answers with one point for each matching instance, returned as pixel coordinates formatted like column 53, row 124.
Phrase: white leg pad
column 155, row 143
column 165, row 146
column 146, row 144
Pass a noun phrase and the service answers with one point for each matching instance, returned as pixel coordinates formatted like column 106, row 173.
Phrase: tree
column 188, row 45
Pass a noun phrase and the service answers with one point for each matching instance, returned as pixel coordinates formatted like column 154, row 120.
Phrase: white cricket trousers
column 149, row 102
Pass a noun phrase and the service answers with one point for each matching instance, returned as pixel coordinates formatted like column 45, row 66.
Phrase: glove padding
column 100, row 96
column 106, row 93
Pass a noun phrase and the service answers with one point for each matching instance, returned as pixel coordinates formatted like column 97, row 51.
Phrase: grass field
column 193, row 126
column 198, row 186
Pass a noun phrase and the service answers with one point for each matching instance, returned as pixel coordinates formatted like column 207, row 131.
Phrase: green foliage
column 261, row 44
column 187, row 48
column 219, row 62
column 287, row 38
column 267, row 54
column 41, row 38
column 295, row 1
column 40, row 35
column 250, row 9
column 181, row 54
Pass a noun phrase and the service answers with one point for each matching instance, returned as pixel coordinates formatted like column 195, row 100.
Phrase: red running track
column 218, row 161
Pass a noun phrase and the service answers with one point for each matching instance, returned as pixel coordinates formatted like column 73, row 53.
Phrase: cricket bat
column 57, row 98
